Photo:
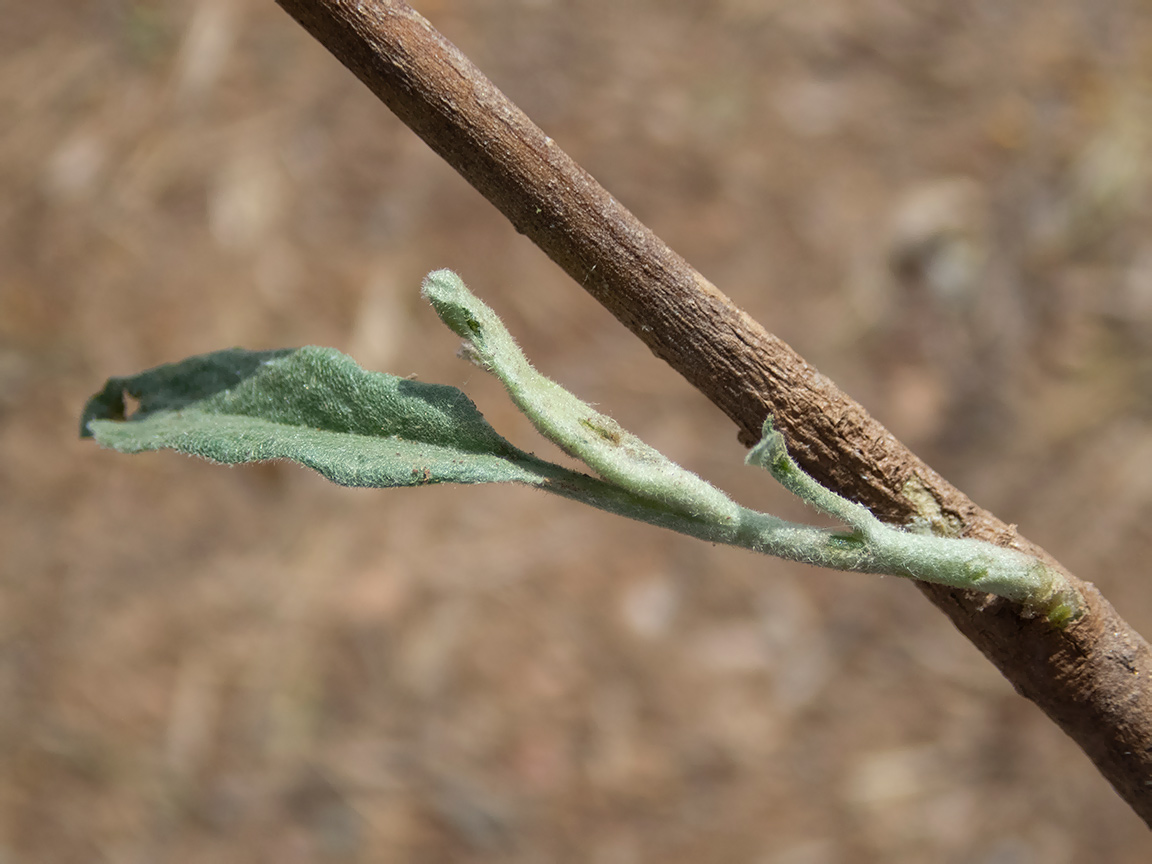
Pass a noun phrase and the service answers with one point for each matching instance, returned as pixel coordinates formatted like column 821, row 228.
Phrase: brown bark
column 1091, row 677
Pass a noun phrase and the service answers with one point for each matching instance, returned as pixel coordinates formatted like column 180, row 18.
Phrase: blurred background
column 943, row 205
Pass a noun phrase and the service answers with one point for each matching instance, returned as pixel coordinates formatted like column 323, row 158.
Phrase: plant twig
column 628, row 464
column 1091, row 677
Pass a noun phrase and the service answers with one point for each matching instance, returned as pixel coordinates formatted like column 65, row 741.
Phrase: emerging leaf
column 576, row 427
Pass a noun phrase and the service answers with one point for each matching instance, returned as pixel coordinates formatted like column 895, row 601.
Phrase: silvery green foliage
column 577, row 428
column 317, row 407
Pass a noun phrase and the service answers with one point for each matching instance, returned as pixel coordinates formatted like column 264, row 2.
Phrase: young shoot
column 317, row 407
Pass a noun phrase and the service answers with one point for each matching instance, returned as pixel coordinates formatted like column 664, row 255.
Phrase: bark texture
column 1092, row 677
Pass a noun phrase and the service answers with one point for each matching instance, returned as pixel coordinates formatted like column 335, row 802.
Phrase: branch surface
column 1091, row 677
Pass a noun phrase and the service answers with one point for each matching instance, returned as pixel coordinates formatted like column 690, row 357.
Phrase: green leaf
column 314, row 406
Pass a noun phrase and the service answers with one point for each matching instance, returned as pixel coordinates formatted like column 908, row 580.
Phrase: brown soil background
column 944, row 206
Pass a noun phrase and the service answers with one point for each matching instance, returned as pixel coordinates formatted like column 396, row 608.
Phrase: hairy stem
column 650, row 487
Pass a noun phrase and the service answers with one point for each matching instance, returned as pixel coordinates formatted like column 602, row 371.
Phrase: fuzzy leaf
column 576, row 427
column 314, row 406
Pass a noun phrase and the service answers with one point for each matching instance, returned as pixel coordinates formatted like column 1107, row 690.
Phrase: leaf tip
column 442, row 284
column 108, row 404
column 450, row 298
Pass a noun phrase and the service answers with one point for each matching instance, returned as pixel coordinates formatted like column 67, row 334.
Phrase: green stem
column 643, row 484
